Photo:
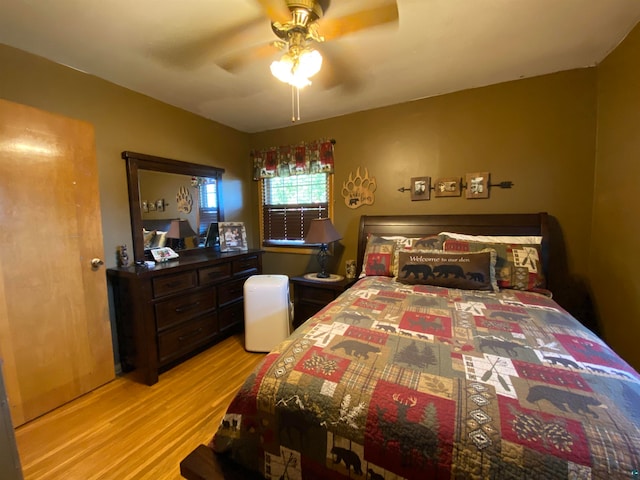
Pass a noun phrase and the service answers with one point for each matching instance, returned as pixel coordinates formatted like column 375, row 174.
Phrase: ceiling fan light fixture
column 296, row 70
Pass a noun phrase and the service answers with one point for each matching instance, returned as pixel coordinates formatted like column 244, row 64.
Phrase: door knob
column 96, row 262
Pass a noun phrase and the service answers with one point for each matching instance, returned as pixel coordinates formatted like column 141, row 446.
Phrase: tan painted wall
column 125, row 120
column 614, row 264
column 538, row 133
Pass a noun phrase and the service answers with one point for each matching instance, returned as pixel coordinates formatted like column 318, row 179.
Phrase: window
column 208, row 193
column 289, row 204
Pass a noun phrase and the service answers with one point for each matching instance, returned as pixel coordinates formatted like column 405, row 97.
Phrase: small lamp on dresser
column 179, row 230
column 322, row 232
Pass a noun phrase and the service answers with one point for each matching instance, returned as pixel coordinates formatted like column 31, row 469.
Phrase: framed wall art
column 420, row 188
column 447, row 187
column 477, row 185
column 233, row 237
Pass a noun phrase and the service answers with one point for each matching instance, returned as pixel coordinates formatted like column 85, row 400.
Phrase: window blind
column 289, row 204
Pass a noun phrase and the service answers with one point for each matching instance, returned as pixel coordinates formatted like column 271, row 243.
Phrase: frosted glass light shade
column 296, row 72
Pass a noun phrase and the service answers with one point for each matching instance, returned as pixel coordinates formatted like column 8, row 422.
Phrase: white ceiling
column 438, row 46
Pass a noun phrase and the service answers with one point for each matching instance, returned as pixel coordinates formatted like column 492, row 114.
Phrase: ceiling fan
column 301, row 27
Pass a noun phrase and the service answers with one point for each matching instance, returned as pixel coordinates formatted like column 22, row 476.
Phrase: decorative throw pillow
column 160, row 240
column 464, row 270
column 378, row 257
column 148, row 236
column 518, row 266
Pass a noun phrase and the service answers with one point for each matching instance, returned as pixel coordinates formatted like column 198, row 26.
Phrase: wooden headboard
column 160, row 224
column 480, row 224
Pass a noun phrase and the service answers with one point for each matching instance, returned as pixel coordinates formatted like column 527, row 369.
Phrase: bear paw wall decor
column 184, row 200
column 359, row 190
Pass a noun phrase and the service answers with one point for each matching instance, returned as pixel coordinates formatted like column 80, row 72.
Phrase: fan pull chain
column 295, row 103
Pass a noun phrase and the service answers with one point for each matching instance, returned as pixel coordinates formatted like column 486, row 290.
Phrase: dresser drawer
column 230, row 291
column 246, row 265
column 177, row 342
column 179, row 309
column 214, row 274
column 231, row 316
column 169, row 284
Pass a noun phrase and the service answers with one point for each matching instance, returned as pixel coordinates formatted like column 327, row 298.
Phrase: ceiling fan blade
column 331, row 28
column 197, row 52
column 233, row 63
column 338, row 70
column 276, row 10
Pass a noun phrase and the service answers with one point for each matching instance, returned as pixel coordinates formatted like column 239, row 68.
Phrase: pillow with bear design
column 378, row 257
column 462, row 270
column 518, row 266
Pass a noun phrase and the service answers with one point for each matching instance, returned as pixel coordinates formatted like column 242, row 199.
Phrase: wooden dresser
column 167, row 313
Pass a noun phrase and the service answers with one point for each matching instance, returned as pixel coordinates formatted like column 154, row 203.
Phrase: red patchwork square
column 587, row 351
column 437, row 325
column 409, row 432
column 543, row 432
column 552, row 376
column 317, row 363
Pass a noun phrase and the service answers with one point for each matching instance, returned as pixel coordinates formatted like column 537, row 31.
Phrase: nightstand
column 310, row 296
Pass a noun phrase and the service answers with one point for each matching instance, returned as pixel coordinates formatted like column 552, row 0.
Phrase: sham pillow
column 378, row 257
column 534, row 239
column 518, row 266
column 462, row 270
column 432, row 242
column 148, row 236
column 160, row 240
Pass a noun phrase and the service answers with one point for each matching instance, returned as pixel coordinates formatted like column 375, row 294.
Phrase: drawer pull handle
column 185, row 308
column 192, row 334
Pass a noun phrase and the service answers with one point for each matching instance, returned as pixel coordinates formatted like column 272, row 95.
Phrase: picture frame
column 420, row 188
column 212, row 238
column 233, row 237
column 477, row 185
column 447, row 187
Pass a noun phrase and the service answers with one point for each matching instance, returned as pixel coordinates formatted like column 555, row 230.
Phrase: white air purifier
column 266, row 312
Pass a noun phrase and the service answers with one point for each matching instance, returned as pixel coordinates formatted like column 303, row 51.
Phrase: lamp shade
column 296, row 69
column 322, row 231
column 180, row 228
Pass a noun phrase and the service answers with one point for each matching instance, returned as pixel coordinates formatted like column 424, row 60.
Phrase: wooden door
column 55, row 335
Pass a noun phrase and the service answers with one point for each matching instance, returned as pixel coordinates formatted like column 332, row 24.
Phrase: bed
column 415, row 373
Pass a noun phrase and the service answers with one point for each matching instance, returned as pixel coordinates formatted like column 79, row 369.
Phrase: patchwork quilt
column 395, row 381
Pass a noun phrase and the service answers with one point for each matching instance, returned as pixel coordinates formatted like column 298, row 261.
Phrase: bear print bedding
column 393, row 381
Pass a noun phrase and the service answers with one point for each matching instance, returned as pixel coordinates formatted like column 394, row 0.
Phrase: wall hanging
column 184, row 200
column 477, row 185
column 300, row 159
column 447, row 187
column 420, row 188
column 359, row 190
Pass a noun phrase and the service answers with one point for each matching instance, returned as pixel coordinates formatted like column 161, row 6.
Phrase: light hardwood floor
column 128, row 430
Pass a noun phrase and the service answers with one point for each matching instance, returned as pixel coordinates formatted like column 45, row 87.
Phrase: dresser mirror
column 166, row 196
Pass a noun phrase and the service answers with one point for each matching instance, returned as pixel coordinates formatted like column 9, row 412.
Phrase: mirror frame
column 140, row 161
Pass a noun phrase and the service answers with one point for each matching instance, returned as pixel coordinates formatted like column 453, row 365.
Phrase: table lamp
column 179, row 230
column 322, row 232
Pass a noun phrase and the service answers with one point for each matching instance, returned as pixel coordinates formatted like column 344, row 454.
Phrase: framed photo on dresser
column 233, row 237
